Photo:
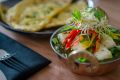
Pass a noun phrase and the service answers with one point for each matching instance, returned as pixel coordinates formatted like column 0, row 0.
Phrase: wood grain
column 57, row 70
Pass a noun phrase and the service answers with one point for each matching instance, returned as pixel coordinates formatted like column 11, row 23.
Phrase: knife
column 2, row 76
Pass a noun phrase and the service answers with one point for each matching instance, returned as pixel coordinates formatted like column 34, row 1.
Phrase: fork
column 10, row 61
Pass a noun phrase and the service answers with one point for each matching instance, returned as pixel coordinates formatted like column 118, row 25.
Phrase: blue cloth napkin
column 31, row 59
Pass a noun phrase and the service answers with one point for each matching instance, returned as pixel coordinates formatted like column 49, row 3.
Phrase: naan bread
column 62, row 17
column 33, row 15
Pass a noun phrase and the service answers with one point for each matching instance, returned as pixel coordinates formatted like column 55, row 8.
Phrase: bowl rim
column 106, row 62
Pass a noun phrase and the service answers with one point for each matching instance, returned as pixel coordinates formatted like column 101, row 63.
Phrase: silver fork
column 4, row 55
column 10, row 61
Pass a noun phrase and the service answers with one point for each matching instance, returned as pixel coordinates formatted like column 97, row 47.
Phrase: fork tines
column 15, row 64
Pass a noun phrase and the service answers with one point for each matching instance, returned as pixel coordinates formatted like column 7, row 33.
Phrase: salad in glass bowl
column 87, row 43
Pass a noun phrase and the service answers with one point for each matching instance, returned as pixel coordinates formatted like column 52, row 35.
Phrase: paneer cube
column 107, row 41
column 103, row 53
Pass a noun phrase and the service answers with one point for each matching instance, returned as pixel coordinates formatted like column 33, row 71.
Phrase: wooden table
column 56, row 70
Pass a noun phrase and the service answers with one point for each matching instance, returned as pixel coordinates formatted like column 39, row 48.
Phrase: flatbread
column 33, row 15
column 62, row 17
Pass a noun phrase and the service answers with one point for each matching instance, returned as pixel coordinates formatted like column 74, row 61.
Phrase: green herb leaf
column 117, row 41
column 67, row 28
column 77, row 15
column 82, row 60
column 114, row 30
column 99, row 13
column 55, row 41
column 115, row 51
column 113, row 33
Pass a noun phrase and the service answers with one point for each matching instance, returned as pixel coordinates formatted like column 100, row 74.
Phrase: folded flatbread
column 62, row 17
column 33, row 15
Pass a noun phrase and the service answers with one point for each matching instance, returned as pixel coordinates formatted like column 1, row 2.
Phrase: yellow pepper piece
column 117, row 34
column 92, row 39
column 81, row 37
column 86, row 44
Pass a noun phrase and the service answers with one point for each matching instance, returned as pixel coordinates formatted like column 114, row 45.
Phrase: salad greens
column 115, row 51
column 88, row 30
column 99, row 13
column 77, row 15
column 82, row 60
column 67, row 28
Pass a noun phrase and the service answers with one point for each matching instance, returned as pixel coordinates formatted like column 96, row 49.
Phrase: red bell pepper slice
column 68, row 41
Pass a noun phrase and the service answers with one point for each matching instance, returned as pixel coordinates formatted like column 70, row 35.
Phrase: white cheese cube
column 61, row 37
column 107, row 41
column 103, row 53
